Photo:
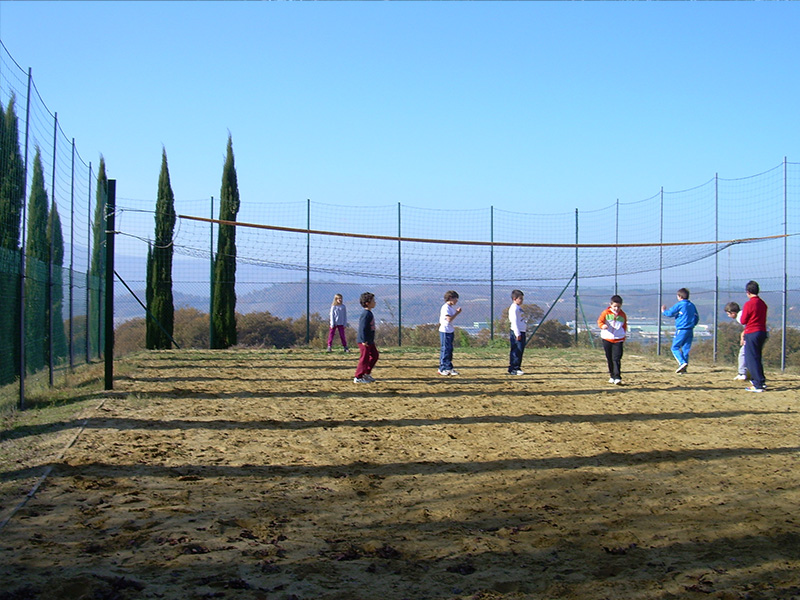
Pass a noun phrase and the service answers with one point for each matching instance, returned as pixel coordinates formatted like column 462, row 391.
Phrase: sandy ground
column 270, row 474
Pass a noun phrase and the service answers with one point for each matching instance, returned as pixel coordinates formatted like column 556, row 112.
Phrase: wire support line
column 394, row 238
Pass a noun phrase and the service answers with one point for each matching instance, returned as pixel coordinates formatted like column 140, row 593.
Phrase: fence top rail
column 395, row 238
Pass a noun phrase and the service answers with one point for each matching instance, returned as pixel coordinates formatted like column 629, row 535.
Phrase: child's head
column 683, row 294
column 366, row 299
column 752, row 288
column 616, row 301
column 732, row 309
column 451, row 296
column 517, row 295
column 337, row 299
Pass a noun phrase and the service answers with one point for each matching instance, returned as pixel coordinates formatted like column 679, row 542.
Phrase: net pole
column 399, row 279
column 576, row 276
column 89, row 266
column 71, row 257
column 308, row 270
column 784, row 316
column 616, row 249
column 212, row 338
column 50, row 268
column 716, row 265
column 21, row 332
column 491, row 273
column 660, row 270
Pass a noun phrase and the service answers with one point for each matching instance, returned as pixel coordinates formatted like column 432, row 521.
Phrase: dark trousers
column 753, row 345
column 446, row 354
column 369, row 356
column 614, row 358
column 515, row 354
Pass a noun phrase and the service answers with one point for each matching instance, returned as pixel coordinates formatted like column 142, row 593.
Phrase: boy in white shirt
column 447, row 313
column 519, row 327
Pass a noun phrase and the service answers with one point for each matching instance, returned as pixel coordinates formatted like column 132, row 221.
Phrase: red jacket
column 754, row 315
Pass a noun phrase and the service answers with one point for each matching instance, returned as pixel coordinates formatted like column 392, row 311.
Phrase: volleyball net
column 292, row 257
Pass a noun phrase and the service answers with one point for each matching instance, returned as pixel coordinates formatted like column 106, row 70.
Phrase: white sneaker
column 443, row 372
column 453, row 372
column 368, row 378
column 611, row 380
column 519, row 372
column 359, row 380
column 618, row 382
column 682, row 368
column 740, row 377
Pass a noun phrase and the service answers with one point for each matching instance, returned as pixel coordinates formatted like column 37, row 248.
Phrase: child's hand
column 458, row 310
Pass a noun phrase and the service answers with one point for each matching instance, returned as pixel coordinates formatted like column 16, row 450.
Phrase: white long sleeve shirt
column 517, row 319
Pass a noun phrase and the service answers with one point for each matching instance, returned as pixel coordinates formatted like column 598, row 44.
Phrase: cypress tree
column 161, row 306
column 37, row 253
column 12, row 197
column 224, row 293
column 56, row 306
column 95, row 320
column 12, row 180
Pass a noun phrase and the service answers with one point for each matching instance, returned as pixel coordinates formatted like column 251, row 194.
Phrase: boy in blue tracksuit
column 686, row 318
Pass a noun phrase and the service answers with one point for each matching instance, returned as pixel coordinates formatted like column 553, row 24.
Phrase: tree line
column 40, row 283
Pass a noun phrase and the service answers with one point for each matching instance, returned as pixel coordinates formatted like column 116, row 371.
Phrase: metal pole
column 491, row 273
column 22, row 265
column 716, row 265
column 784, row 315
column 660, row 271
column 211, row 336
column 308, row 270
column 88, row 268
column 111, row 203
column 72, row 258
column 577, row 308
column 399, row 279
column 616, row 249
column 51, row 318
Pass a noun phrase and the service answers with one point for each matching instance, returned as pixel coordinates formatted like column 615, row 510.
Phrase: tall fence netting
column 712, row 238
column 49, row 321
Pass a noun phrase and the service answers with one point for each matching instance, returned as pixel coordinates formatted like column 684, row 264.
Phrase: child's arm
column 451, row 317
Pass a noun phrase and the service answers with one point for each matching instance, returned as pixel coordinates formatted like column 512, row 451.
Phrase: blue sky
column 525, row 106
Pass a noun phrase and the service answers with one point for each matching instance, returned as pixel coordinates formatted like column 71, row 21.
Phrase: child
column 338, row 319
column 733, row 311
column 366, row 340
column 754, row 319
column 613, row 324
column 447, row 313
column 686, row 318
column 519, row 328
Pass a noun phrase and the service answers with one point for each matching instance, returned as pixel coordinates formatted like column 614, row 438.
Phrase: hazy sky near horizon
column 533, row 107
